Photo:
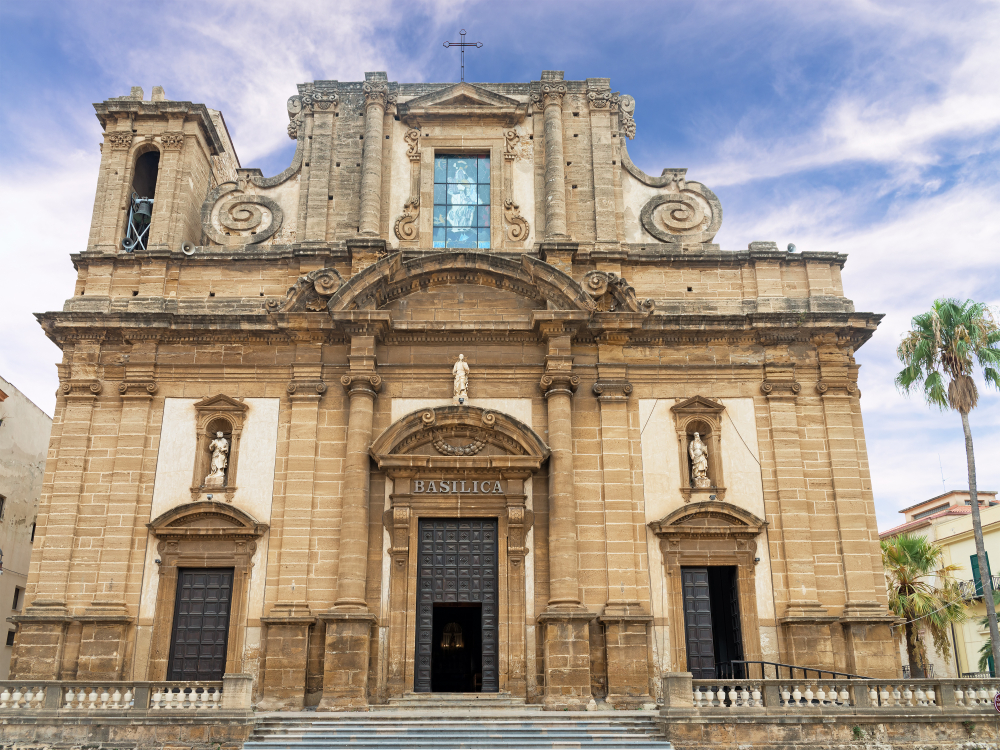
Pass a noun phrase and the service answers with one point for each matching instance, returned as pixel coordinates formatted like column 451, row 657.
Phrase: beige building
column 946, row 520
column 461, row 401
column 24, row 441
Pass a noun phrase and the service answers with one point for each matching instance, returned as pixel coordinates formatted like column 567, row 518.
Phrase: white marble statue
column 461, row 373
column 220, row 452
column 698, row 452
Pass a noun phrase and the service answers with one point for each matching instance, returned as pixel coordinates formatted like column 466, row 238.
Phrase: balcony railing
column 969, row 589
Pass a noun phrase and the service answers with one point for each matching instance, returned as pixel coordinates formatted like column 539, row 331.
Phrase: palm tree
column 986, row 650
column 909, row 562
column 939, row 355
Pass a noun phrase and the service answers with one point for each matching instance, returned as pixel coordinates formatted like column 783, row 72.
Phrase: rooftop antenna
column 463, row 44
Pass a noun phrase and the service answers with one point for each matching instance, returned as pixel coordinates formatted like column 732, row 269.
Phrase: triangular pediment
column 698, row 404
column 220, row 402
column 462, row 100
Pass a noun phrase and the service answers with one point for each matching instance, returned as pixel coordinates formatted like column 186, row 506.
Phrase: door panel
column 201, row 624
column 457, row 563
column 698, row 623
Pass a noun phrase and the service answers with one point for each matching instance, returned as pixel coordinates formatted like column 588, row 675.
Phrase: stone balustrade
column 64, row 696
column 684, row 695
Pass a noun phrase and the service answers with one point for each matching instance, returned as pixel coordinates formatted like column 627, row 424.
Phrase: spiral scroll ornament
column 240, row 218
column 406, row 225
column 517, row 225
column 690, row 214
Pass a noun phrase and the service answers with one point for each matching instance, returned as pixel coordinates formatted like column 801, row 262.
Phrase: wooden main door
column 457, row 566
column 698, row 623
column 201, row 624
column 712, row 627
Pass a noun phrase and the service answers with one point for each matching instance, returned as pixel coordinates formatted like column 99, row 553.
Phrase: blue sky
column 869, row 128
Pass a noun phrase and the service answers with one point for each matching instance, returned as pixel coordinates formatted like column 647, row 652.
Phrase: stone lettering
column 418, row 486
column 475, row 487
column 497, row 490
column 463, row 486
column 431, row 487
column 448, row 487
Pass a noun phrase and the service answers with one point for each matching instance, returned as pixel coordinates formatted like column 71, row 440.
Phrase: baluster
column 907, row 695
column 896, row 696
column 984, row 697
column 216, row 695
column 157, row 696
column 105, row 697
column 731, row 695
column 168, row 698
column 755, row 695
column 845, row 696
column 745, row 696
column 931, row 695
column 127, row 698
column 970, row 697
column 785, row 697
column 116, row 699
column 820, row 694
column 796, row 695
column 15, row 701
column 69, row 696
column 920, row 696
column 809, row 695
column 198, row 693
column 4, row 697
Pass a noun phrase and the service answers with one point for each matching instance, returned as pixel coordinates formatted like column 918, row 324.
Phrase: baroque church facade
column 461, row 401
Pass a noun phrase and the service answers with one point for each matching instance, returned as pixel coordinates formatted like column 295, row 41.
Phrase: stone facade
column 311, row 319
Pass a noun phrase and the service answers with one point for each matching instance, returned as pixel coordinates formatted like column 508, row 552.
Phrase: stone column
column 549, row 98
column 603, row 115
column 349, row 623
column 625, row 619
column 565, row 622
column 805, row 621
column 377, row 97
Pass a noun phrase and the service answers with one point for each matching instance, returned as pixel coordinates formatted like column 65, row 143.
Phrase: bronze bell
column 144, row 208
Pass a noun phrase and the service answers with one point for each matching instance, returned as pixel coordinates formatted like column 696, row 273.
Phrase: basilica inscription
column 458, row 487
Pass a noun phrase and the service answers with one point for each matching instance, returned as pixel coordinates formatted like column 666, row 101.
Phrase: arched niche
column 219, row 413
column 710, row 534
column 439, row 460
column 206, row 534
column 703, row 416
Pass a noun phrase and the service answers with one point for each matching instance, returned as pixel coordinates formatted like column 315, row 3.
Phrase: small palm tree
column 939, row 355
column 910, row 563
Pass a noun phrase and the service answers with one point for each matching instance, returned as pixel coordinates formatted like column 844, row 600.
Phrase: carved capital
column 603, row 99
column 81, row 388
column 549, row 94
column 780, row 388
column 314, row 100
column 119, row 139
column 837, row 388
column 559, row 382
column 367, row 384
column 144, row 389
column 377, row 94
column 608, row 391
column 172, row 140
column 303, row 389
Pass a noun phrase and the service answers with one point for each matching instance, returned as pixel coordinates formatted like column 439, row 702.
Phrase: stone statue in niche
column 461, row 373
column 698, row 452
column 220, row 452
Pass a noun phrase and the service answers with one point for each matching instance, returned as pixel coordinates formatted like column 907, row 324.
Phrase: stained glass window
column 462, row 200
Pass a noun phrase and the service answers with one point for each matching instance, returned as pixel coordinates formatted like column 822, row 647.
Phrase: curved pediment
column 392, row 278
column 711, row 519
column 456, row 435
column 206, row 518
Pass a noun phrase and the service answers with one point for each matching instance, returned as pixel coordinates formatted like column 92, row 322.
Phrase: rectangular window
column 462, row 201
column 3, row 505
column 10, row 637
column 18, row 598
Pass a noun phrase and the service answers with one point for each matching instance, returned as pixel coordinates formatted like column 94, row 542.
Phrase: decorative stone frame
column 525, row 453
column 209, row 410
column 690, row 414
column 710, row 534
column 207, row 535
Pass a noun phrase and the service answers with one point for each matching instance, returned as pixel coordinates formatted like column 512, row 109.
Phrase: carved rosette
column 517, row 226
column 173, row 140
column 119, row 139
column 612, row 293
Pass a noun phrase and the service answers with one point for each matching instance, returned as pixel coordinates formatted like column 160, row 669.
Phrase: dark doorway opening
column 712, row 622
column 457, row 658
column 201, row 624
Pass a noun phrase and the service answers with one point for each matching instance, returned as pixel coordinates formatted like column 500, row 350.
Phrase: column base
column 808, row 635
column 286, row 653
column 626, row 639
column 41, row 638
column 871, row 649
column 345, row 671
column 566, row 643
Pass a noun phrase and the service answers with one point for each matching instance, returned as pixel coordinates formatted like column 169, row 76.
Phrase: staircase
column 452, row 728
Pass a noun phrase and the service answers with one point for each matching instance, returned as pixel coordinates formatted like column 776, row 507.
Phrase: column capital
column 368, row 383
column 131, row 389
column 612, row 391
column 601, row 98
column 376, row 93
column 559, row 382
column 301, row 389
column 86, row 389
column 549, row 94
column 780, row 388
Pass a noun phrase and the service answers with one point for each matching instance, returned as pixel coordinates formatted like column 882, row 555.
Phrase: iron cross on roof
column 463, row 44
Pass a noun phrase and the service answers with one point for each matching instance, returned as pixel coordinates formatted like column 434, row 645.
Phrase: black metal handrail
column 969, row 589
column 739, row 669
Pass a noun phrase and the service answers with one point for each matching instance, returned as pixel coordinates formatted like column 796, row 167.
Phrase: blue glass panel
column 440, row 169
column 484, row 245
column 439, row 215
column 461, row 169
column 484, row 170
column 440, row 195
column 484, row 195
column 439, row 236
column 461, row 195
column 484, row 236
column 484, row 216
column 464, row 237
column 461, row 216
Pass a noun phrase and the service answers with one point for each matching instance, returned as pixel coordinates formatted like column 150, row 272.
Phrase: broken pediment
column 462, row 100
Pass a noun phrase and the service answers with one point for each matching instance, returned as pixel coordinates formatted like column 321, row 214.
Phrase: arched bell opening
column 145, row 171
